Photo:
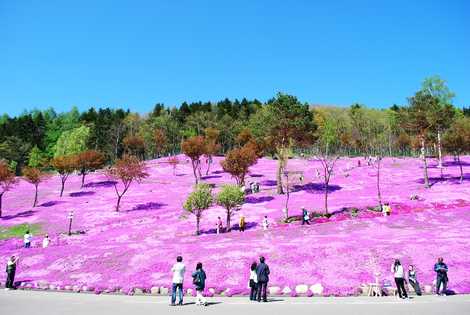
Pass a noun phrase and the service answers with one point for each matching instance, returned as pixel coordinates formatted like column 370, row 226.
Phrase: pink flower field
column 135, row 248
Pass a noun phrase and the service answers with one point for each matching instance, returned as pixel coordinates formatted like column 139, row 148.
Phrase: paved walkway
column 54, row 303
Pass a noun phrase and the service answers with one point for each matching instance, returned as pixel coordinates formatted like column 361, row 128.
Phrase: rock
column 42, row 285
column 163, row 291
column 68, row 288
column 286, row 290
column 301, row 289
column 274, row 290
column 76, row 288
column 155, row 290
column 211, row 290
column 52, row 287
column 317, row 289
column 138, row 291
column 189, row 292
column 428, row 288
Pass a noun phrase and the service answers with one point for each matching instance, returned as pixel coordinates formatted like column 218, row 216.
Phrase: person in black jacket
column 262, row 272
column 199, row 281
column 441, row 272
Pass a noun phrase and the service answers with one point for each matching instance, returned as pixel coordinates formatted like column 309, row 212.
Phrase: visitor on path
column 11, row 270
column 242, row 223
column 178, row 270
column 199, row 281
column 386, row 209
column 262, row 274
column 255, row 187
column 27, row 238
column 253, row 282
column 265, row 223
column 441, row 272
column 219, row 225
column 305, row 216
column 413, row 280
column 399, row 275
column 45, row 241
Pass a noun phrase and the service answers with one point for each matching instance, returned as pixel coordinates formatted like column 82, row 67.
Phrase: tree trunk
column 83, row 179
column 199, row 168
column 209, row 161
column 439, row 151
column 193, row 162
column 35, row 196
column 461, row 170
column 62, row 187
column 1, row 196
column 326, row 197
column 118, row 203
column 379, row 196
column 229, row 227
column 423, row 152
column 198, row 219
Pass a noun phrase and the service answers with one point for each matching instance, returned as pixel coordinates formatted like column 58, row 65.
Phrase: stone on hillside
column 189, row 292
column 274, row 290
column 163, row 291
column 155, row 290
column 301, row 289
column 212, row 290
column 286, row 290
column 317, row 289
column 138, row 291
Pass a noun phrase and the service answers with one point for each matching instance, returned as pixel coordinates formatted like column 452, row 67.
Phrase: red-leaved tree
column 7, row 181
column 89, row 161
column 35, row 176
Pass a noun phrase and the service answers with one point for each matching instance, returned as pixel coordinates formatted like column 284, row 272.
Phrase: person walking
column 199, row 281
column 413, row 280
column 441, row 276
column 262, row 274
column 178, row 270
column 305, row 216
column 27, row 238
column 45, row 241
column 399, row 275
column 253, row 282
column 242, row 223
column 265, row 223
column 11, row 270
column 219, row 225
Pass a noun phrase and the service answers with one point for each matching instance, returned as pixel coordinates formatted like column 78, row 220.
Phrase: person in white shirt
column 253, row 282
column 399, row 275
column 27, row 238
column 265, row 223
column 178, row 270
column 45, row 241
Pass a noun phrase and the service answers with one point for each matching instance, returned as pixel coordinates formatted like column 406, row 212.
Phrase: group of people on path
column 258, row 282
column 399, row 275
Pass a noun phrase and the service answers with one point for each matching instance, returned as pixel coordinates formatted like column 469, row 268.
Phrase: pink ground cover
column 137, row 246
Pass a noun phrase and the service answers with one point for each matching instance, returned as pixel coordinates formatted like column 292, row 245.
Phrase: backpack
column 197, row 279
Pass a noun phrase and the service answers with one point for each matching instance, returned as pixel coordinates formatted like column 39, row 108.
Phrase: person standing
column 441, row 272
column 399, row 275
column 199, row 281
column 11, row 270
column 45, row 241
column 27, row 238
column 413, row 280
column 265, row 223
column 178, row 270
column 262, row 274
column 242, row 223
column 219, row 225
column 253, row 282
column 305, row 216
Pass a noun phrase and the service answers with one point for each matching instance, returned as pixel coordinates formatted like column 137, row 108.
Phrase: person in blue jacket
column 441, row 276
column 199, row 281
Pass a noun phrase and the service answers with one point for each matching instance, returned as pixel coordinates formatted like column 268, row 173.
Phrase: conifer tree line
column 428, row 124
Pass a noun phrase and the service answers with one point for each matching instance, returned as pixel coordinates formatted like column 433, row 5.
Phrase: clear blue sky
column 136, row 53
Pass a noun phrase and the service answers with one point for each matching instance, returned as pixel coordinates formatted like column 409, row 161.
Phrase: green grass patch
column 18, row 230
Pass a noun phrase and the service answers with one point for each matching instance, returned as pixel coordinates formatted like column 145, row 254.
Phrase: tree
column 134, row 145
column 35, row 176
column 290, row 181
column 173, row 161
column 290, row 123
column 457, row 140
column 72, row 141
column 37, row 158
column 194, row 148
column 7, row 181
column 230, row 197
column 237, row 162
column 199, row 201
column 377, row 165
column 161, row 141
column 127, row 170
column 89, row 161
column 212, row 147
column 64, row 165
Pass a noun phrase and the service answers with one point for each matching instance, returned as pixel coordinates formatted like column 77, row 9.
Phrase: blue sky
column 134, row 54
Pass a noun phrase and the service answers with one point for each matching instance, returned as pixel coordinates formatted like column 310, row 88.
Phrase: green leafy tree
column 231, row 198
column 37, row 158
column 72, row 142
column 199, row 201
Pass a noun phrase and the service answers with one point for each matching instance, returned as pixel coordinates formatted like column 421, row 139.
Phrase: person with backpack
column 199, row 281
column 441, row 272
column 413, row 280
column 178, row 270
column 305, row 216
column 262, row 274
column 253, row 282
column 11, row 270
column 399, row 275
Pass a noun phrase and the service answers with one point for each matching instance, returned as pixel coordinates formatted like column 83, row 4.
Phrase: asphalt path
column 57, row 303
